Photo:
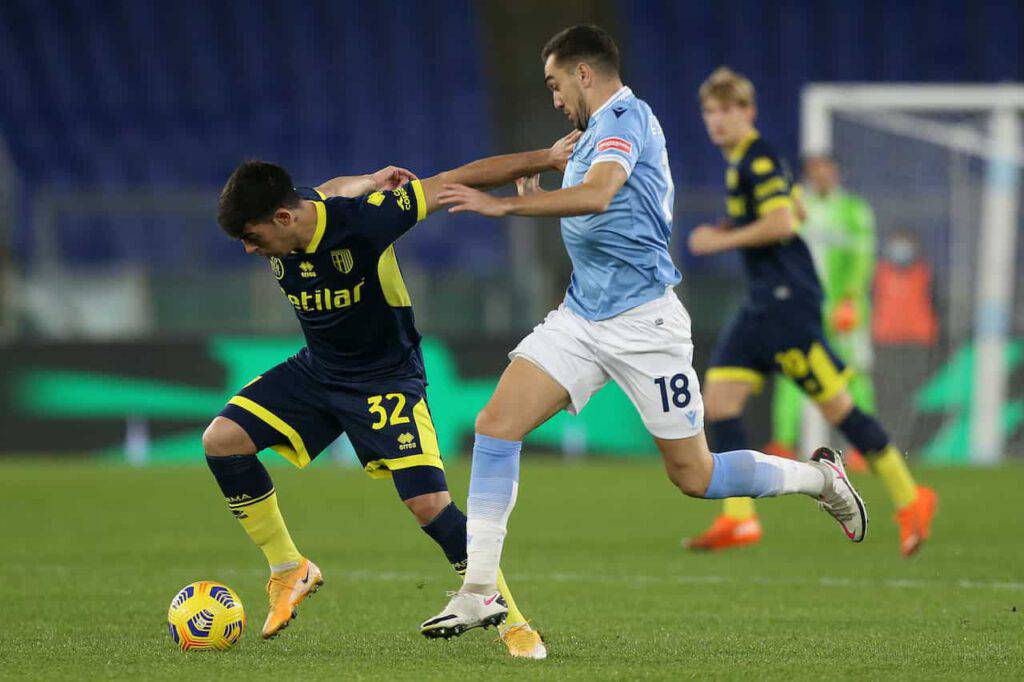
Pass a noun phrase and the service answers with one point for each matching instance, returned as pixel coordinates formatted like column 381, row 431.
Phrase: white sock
column 493, row 487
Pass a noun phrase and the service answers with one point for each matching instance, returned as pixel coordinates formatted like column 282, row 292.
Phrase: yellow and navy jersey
column 758, row 181
column 348, row 291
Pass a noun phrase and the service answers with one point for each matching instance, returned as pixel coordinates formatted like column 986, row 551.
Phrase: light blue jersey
column 620, row 258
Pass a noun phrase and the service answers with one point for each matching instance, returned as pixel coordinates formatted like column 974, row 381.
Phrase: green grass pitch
column 93, row 554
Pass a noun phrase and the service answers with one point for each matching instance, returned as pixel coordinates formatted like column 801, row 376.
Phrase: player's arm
column 862, row 256
column 777, row 225
column 766, row 184
column 495, row 171
column 351, row 186
column 593, row 195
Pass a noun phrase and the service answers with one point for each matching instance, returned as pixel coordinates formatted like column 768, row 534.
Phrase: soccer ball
column 206, row 615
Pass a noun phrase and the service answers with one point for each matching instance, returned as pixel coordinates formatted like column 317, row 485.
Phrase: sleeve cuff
column 421, row 200
column 617, row 159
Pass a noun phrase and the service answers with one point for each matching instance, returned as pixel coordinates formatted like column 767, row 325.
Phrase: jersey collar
column 736, row 154
column 321, row 225
column 622, row 92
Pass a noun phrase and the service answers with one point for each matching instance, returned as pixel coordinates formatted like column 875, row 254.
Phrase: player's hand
column 460, row 198
column 390, row 178
column 561, row 151
column 528, row 185
column 844, row 316
column 706, row 239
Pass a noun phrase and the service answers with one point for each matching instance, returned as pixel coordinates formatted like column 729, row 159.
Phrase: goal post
column 976, row 126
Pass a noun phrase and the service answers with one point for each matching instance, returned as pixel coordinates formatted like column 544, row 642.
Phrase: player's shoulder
column 310, row 193
column 624, row 113
column 762, row 158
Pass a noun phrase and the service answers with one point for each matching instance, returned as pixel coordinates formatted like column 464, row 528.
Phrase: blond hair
column 728, row 87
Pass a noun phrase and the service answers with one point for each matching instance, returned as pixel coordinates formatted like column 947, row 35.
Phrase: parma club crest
column 342, row 259
column 277, row 267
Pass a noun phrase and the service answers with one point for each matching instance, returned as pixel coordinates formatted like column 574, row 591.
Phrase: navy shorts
column 788, row 339
column 290, row 411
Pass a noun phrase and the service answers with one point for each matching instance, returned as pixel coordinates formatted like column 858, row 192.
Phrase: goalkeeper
column 840, row 230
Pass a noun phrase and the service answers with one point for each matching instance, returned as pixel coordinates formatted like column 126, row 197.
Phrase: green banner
column 610, row 424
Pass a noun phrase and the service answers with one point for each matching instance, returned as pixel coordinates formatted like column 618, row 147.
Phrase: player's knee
column 493, row 423
column 224, row 437
column 724, row 400
column 426, row 507
column 836, row 409
column 688, row 465
column 690, row 477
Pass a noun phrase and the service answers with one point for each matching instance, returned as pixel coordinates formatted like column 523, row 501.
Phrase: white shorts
column 647, row 351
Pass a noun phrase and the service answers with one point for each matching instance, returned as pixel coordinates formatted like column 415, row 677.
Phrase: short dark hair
column 584, row 43
column 253, row 192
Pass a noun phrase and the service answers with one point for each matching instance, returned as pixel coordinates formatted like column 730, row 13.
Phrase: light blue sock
column 748, row 473
column 493, row 485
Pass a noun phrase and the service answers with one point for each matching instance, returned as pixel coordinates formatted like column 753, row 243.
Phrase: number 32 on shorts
column 678, row 386
column 381, row 413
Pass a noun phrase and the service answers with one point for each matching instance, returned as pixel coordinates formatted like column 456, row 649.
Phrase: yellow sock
column 262, row 520
column 515, row 617
column 892, row 469
column 739, row 508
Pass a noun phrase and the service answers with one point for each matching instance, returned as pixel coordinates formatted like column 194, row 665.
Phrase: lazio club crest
column 277, row 267
column 342, row 259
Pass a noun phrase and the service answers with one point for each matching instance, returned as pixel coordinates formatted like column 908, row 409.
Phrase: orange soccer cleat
column 915, row 520
column 855, row 461
column 286, row 591
column 726, row 532
column 523, row 641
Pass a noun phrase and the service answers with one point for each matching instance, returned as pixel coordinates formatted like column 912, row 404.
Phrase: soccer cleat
column 726, row 532
column 839, row 498
column 855, row 462
column 286, row 592
column 915, row 520
column 524, row 642
column 466, row 611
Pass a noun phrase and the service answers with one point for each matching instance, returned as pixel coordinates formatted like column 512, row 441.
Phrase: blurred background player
column 779, row 327
column 361, row 371
column 621, row 321
column 839, row 229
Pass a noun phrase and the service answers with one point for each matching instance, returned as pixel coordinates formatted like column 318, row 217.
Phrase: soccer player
column 620, row 321
column 840, row 231
column 779, row 327
column 331, row 250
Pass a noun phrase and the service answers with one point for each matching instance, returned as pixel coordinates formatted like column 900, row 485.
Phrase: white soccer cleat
column 466, row 611
column 839, row 498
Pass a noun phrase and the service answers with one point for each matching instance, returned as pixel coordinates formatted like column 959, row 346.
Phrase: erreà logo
column 277, row 267
column 406, row 441
column 307, row 269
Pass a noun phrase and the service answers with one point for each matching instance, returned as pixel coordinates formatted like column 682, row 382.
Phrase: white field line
column 634, row 581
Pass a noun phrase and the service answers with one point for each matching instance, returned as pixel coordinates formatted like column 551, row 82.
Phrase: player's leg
column 915, row 504
column 854, row 349
column 551, row 369
column 277, row 410
column 822, row 375
column 394, row 436
column 249, row 491
column 525, row 398
column 648, row 353
column 737, row 525
column 733, row 377
column 424, row 491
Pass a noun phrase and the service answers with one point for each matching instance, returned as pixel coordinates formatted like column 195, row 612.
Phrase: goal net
column 941, row 168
